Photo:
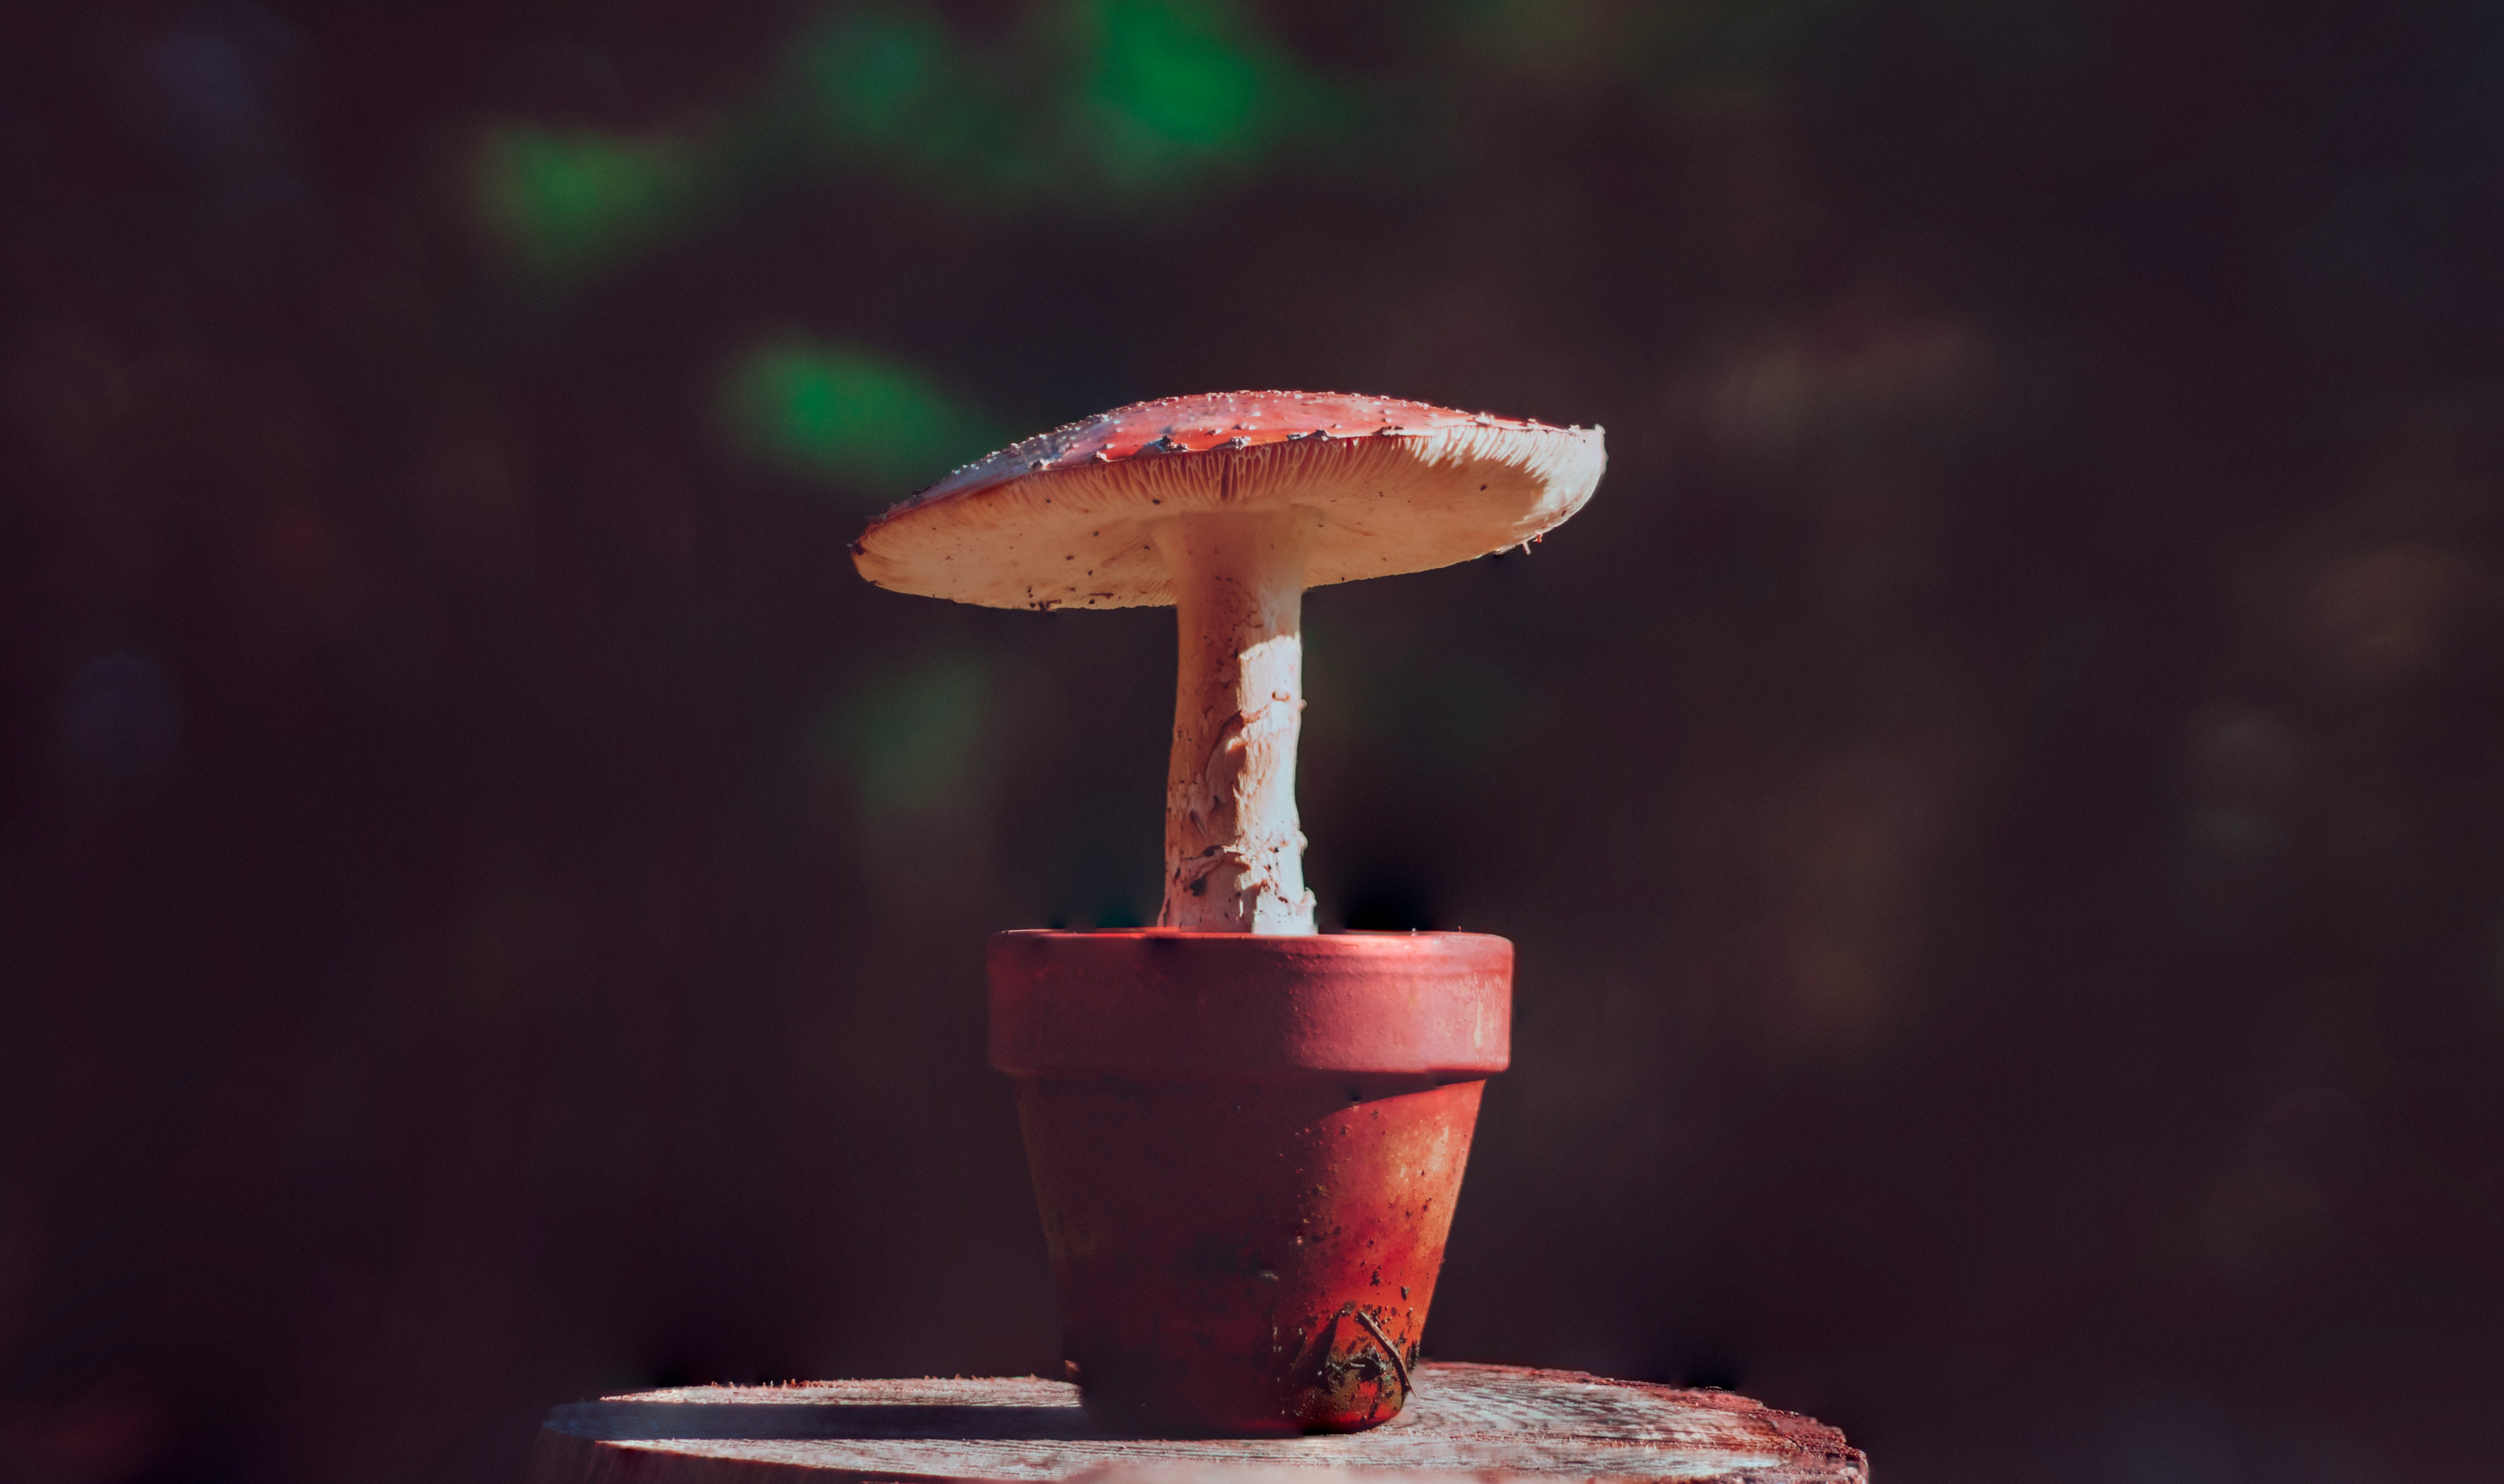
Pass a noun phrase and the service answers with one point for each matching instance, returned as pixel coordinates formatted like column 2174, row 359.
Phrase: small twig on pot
column 1390, row 1352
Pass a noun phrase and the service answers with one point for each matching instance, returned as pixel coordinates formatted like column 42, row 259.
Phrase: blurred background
column 1999, row 798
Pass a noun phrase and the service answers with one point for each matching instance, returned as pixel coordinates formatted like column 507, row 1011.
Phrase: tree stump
column 1474, row 1422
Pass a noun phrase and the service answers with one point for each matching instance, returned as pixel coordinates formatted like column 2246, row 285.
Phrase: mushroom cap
column 1065, row 519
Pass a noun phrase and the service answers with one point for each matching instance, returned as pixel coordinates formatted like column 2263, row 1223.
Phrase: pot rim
column 1163, row 1002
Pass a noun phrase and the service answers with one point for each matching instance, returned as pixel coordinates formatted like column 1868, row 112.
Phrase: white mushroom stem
column 1235, row 859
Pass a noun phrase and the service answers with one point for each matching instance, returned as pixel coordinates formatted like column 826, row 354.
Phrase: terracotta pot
column 1246, row 1151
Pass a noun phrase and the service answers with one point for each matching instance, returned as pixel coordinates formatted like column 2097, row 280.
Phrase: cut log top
column 1481, row 1422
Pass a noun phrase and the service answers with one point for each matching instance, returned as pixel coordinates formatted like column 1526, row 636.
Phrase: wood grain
column 1483, row 1422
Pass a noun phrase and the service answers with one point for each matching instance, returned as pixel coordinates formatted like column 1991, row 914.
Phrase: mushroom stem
column 1235, row 859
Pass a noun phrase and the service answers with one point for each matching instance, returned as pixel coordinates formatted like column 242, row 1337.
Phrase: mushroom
column 1227, row 507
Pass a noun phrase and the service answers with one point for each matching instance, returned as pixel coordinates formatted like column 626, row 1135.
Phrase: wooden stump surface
column 1483, row 1422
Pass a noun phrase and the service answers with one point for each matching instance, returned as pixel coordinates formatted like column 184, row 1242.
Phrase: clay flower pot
column 1246, row 1150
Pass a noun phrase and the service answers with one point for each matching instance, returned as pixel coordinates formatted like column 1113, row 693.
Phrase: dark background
column 1998, row 797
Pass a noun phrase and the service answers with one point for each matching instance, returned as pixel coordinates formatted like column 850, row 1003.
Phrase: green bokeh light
column 891, row 90
column 912, row 738
column 1077, row 104
column 1179, row 87
column 847, row 414
column 1130, row 105
column 880, row 73
column 567, row 202
column 1084, row 101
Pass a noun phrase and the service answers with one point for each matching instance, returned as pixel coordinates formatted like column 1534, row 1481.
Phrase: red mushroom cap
column 1063, row 519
